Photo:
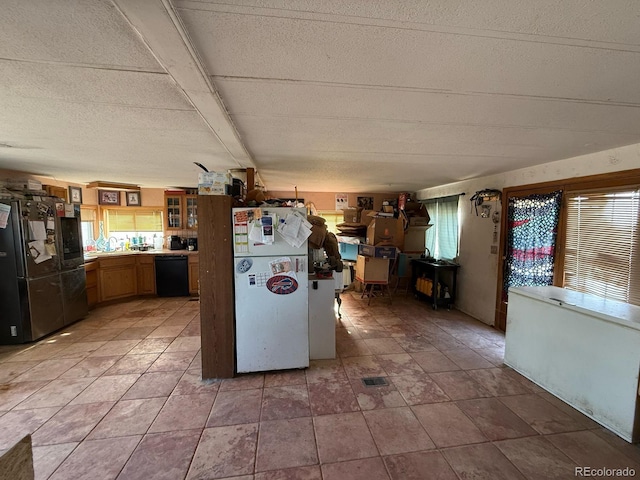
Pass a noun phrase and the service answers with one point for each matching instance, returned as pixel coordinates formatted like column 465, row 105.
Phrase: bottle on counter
column 101, row 241
column 157, row 242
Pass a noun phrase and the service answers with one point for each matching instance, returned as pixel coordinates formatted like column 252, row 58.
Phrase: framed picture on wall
column 108, row 197
column 75, row 195
column 366, row 203
column 133, row 199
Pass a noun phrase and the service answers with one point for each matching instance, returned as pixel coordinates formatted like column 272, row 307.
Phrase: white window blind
column 138, row 220
column 332, row 219
column 87, row 214
column 602, row 250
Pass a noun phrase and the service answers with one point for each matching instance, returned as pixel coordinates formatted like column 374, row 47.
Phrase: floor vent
column 374, row 382
column 194, row 299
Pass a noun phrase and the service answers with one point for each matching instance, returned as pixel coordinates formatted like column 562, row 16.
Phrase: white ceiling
column 337, row 95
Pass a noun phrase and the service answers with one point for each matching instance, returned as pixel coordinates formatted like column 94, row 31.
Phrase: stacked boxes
column 386, row 230
column 351, row 215
column 378, row 252
column 415, row 238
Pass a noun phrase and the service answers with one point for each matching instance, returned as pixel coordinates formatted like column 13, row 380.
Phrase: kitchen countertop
column 165, row 251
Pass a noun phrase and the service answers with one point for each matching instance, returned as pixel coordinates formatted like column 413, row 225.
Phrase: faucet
column 109, row 249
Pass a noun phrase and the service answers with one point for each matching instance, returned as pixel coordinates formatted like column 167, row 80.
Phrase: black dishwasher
column 172, row 275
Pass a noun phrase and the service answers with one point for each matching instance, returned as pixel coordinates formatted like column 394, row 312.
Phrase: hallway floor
column 119, row 395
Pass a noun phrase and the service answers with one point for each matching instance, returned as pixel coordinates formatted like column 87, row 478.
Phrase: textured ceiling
column 326, row 96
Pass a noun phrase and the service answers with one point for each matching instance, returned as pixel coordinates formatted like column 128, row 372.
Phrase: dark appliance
column 192, row 244
column 175, row 243
column 42, row 286
column 172, row 275
column 236, row 189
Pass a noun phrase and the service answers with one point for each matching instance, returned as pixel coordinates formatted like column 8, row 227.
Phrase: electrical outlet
column 494, row 249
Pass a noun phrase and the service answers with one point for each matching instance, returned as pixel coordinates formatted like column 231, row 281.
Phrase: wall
column 327, row 200
column 477, row 276
column 150, row 197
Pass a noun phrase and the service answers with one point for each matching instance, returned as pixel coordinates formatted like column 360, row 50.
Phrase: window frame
column 434, row 202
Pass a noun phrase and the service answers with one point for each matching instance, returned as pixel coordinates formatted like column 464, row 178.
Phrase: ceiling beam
column 160, row 27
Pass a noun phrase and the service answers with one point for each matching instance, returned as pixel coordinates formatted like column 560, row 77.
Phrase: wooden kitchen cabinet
column 191, row 212
column 117, row 278
column 145, row 271
column 194, row 275
column 181, row 210
column 93, row 293
column 54, row 191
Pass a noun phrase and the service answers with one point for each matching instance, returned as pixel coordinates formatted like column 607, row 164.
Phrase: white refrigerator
column 271, row 289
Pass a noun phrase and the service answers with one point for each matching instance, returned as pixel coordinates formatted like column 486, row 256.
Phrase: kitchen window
column 332, row 218
column 122, row 223
column 88, row 219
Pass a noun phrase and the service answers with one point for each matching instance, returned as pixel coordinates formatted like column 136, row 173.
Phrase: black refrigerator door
column 30, row 217
column 69, row 238
column 45, row 306
column 74, row 295
column 11, row 314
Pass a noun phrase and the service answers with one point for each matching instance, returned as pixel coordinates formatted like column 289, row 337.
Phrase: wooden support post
column 251, row 181
column 217, row 301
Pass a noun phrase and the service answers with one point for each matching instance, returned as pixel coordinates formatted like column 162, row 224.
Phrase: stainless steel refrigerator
column 42, row 286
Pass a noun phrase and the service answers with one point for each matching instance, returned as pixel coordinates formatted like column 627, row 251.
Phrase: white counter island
column 583, row 349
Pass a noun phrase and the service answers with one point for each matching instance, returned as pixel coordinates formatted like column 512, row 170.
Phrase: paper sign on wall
column 342, row 201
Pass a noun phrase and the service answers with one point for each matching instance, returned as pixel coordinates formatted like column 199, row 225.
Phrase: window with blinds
column 128, row 220
column 602, row 245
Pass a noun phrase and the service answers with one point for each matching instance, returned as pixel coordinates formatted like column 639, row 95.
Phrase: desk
column 443, row 275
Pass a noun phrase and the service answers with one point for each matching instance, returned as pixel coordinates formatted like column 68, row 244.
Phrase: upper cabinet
column 181, row 210
column 191, row 211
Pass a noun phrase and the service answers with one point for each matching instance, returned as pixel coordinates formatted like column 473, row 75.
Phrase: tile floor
column 119, row 395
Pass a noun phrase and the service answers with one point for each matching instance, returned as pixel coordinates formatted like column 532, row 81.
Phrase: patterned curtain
column 531, row 240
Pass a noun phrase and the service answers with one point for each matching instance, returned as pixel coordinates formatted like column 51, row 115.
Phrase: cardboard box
column 389, row 231
column 378, row 252
column 213, row 183
column 366, row 217
column 417, row 213
column 419, row 221
column 372, row 270
column 351, row 215
column 415, row 239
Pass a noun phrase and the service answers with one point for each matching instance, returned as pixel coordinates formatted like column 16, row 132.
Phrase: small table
column 441, row 274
